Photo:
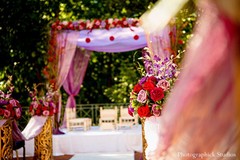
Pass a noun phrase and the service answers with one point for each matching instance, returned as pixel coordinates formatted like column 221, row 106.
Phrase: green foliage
column 24, row 41
column 109, row 78
column 124, row 79
column 185, row 21
column 103, row 9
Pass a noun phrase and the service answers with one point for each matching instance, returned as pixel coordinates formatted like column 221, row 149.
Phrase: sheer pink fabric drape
column 200, row 114
column 75, row 77
column 159, row 43
column 66, row 47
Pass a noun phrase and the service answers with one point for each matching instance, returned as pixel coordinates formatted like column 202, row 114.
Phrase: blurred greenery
column 24, row 34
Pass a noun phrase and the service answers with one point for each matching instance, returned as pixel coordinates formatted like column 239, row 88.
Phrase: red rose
column 149, row 85
column 152, row 79
column 144, row 111
column 39, row 107
column 12, row 113
column 137, row 88
column 30, row 108
column 9, row 107
column 157, row 94
column 51, row 111
column 44, row 108
column 1, row 112
column 38, row 112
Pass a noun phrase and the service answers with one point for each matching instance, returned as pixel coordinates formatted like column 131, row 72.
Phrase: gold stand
column 144, row 141
column 43, row 142
column 6, row 142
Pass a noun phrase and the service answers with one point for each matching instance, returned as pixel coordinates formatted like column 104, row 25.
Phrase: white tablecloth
column 93, row 141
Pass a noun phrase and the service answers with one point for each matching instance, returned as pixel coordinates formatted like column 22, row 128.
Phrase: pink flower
column 156, row 111
column 13, row 102
column 7, row 113
column 35, row 104
column 18, row 112
column 45, row 103
column 142, row 96
column 32, row 112
column 165, row 85
column 46, row 113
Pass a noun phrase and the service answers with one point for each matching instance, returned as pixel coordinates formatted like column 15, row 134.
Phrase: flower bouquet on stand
column 43, row 105
column 148, row 96
column 10, row 110
column 9, row 107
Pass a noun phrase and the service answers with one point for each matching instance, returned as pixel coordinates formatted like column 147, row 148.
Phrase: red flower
column 111, row 38
column 144, row 111
column 51, row 111
column 152, row 79
column 180, row 41
column 30, row 108
column 148, row 85
column 157, row 94
column 12, row 113
column 38, row 112
column 88, row 40
column 44, row 108
column 136, row 37
column 137, row 88
column 39, row 107
column 1, row 112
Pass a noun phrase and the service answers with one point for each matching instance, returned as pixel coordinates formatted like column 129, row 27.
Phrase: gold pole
column 43, row 142
column 6, row 142
column 144, row 142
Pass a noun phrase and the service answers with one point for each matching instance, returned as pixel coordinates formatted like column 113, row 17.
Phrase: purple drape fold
column 66, row 46
column 67, row 42
column 75, row 75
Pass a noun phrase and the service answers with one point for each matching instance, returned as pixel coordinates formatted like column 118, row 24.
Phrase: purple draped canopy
column 76, row 47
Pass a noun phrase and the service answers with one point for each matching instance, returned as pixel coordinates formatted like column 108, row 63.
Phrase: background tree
column 24, row 27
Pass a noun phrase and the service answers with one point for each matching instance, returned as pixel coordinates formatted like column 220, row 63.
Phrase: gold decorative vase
column 144, row 141
column 6, row 142
column 43, row 142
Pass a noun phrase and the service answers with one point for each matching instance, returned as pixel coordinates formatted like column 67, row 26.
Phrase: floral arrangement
column 149, row 94
column 9, row 107
column 95, row 24
column 43, row 105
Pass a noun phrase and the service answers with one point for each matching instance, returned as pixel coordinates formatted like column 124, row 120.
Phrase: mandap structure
column 71, row 45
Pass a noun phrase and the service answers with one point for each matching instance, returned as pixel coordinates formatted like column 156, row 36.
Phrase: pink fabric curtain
column 66, row 47
column 201, row 109
column 159, row 43
column 67, row 42
column 75, row 75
